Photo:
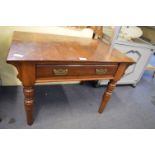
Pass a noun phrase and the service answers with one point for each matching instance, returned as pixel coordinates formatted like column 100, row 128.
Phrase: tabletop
column 28, row 46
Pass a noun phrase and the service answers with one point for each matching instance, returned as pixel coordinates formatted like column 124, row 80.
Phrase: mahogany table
column 43, row 58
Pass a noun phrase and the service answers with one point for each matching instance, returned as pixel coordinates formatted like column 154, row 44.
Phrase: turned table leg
column 28, row 102
column 107, row 95
column 111, row 85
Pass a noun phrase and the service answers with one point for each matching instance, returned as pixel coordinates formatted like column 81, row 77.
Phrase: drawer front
column 74, row 70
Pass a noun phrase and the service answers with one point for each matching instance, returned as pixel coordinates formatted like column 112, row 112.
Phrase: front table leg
column 111, row 85
column 107, row 95
column 28, row 102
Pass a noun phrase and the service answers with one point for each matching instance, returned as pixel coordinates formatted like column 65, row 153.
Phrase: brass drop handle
column 101, row 71
column 60, row 72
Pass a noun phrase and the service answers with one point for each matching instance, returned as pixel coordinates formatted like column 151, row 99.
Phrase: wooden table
column 43, row 58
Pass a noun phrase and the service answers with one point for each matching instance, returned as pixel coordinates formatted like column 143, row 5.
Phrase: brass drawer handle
column 101, row 71
column 60, row 71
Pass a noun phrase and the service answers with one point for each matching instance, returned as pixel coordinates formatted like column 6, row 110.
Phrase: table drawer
column 74, row 70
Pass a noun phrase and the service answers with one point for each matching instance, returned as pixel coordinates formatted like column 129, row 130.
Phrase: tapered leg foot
column 107, row 95
column 28, row 102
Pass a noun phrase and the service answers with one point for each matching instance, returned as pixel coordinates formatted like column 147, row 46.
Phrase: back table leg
column 28, row 102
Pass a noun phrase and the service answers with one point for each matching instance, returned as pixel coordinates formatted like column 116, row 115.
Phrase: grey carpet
column 75, row 107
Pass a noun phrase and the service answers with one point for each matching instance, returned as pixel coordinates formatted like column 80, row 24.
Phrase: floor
column 75, row 106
